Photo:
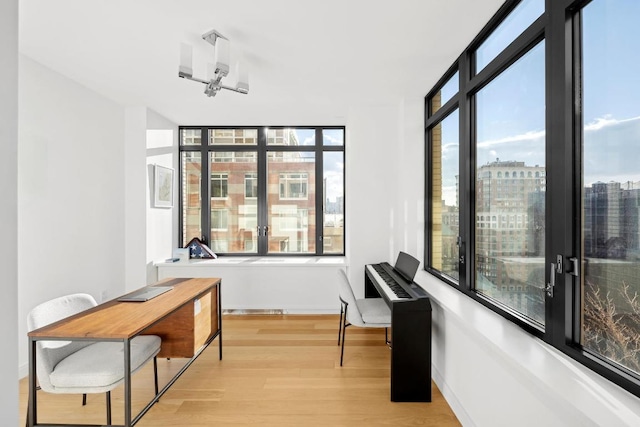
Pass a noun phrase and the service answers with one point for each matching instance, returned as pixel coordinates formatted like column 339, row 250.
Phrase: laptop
column 145, row 294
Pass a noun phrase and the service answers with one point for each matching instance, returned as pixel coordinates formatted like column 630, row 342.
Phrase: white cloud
column 606, row 121
column 333, row 140
column 611, row 150
column 528, row 136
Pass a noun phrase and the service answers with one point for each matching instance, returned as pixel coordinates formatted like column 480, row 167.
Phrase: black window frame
column 560, row 27
column 262, row 149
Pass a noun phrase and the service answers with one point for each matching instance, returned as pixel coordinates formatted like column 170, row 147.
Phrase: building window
column 293, row 185
column 219, row 219
column 444, row 147
column 233, row 136
column 291, row 202
column 511, row 27
column 190, row 136
column 266, row 190
column 250, row 185
column 546, row 95
column 523, row 146
column 219, row 185
column 448, row 90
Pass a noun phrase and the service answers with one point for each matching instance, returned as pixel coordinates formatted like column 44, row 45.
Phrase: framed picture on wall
column 162, row 187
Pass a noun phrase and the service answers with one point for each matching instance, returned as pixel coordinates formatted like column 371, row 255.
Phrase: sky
column 511, row 109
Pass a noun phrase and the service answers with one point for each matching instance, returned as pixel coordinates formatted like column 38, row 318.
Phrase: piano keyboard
column 392, row 289
column 410, row 330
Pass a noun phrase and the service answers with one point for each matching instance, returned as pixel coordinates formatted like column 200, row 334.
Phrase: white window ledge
column 493, row 372
column 235, row 261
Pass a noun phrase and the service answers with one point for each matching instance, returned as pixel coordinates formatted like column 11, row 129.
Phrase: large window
column 510, row 154
column 533, row 183
column 611, row 182
column 262, row 192
column 445, row 224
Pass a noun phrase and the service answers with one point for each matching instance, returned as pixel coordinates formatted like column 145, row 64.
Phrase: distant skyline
column 605, row 135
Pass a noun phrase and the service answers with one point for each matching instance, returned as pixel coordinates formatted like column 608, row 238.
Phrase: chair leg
column 340, row 325
column 108, row 408
column 84, row 399
column 155, row 372
column 344, row 333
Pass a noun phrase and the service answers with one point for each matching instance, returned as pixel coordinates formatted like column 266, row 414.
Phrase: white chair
column 84, row 366
column 365, row 313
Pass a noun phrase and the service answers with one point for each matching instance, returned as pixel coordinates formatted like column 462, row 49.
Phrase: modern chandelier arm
column 195, row 79
column 235, row 89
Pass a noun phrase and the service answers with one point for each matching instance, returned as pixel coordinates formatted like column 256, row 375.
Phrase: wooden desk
column 187, row 318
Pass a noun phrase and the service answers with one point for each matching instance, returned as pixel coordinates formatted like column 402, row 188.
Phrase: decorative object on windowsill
column 162, row 187
column 198, row 250
column 182, row 254
column 215, row 71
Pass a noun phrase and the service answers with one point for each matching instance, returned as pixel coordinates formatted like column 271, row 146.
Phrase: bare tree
column 613, row 332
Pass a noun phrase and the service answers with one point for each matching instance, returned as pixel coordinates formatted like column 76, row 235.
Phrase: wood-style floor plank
column 278, row 370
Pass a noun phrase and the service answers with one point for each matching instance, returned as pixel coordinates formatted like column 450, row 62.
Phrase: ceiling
column 314, row 59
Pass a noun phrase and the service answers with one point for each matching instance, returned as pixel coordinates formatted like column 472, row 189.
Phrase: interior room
column 91, row 102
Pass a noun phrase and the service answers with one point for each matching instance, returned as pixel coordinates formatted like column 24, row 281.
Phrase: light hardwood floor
column 277, row 370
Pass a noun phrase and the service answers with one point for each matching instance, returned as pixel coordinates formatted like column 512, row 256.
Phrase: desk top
column 122, row 320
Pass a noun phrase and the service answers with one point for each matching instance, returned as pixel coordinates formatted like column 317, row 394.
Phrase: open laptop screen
column 407, row 266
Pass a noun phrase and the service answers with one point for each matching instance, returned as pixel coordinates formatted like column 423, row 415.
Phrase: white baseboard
column 451, row 398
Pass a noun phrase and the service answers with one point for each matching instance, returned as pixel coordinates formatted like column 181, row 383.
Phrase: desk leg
column 220, row 318
column 32, row 408
column 127, row 383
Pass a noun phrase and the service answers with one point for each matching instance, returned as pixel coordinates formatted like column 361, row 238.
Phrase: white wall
column 372, row 143
column 135, row 130
column 70, row 192
column 9, row 210
column 150, row 139
column 162, row 223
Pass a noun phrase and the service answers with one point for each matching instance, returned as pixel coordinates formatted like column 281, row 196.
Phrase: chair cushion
column 99, row 367
column 374, row 311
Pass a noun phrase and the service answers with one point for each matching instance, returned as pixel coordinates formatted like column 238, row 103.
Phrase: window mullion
column 466, row 185
column 263, row 232
column 560, row 205
column 205, row 186
column 319, row 193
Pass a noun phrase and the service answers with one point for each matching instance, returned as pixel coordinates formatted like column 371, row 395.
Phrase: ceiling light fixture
column 217, row 70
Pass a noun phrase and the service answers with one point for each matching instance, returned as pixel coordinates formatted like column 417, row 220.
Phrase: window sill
column 311, row 261
column 563, row 392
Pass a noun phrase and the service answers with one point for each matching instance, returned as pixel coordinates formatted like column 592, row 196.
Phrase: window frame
column 262, row 150
column 560, row 27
